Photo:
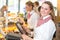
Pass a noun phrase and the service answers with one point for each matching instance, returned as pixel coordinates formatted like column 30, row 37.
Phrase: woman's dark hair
column 39, row 8
column 4, row 8
column 37, row 3
column 29, row 3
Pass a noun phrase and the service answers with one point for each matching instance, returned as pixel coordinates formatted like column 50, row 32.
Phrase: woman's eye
column 44, row 8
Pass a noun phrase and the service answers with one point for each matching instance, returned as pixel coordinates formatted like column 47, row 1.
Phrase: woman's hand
column 25, row 37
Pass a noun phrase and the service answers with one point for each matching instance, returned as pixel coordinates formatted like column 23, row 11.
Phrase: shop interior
column 16, row 12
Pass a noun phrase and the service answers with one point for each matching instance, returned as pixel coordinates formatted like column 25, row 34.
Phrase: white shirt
column 45, row 31
column 32, row 20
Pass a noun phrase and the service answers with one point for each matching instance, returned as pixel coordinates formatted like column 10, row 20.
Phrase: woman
column 36, row 6
column 2, row 19
column 45, row 27
column 32, row 16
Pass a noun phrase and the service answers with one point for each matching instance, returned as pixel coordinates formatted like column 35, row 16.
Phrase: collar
column 31, row 12
column 46, row 16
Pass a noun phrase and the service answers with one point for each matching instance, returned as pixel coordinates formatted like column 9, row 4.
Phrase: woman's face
column 28, row 8
column 35, row 5
column 45, row 10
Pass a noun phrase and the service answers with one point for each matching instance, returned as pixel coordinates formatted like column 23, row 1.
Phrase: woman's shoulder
column 51, row 24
